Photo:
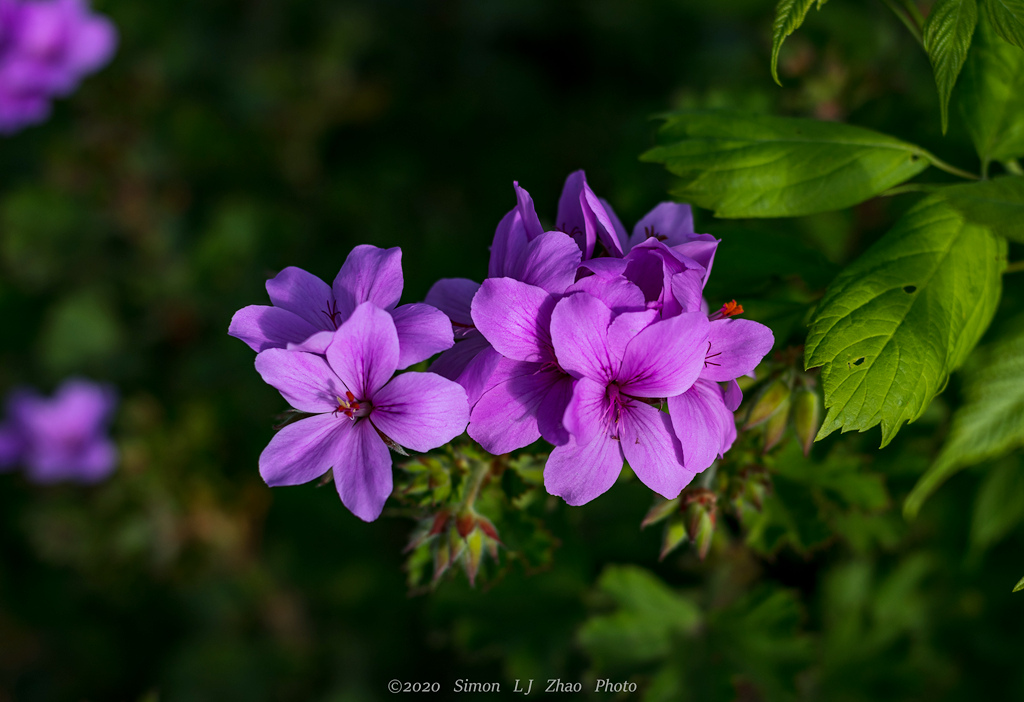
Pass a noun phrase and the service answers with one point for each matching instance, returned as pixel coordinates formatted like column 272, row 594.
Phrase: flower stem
column 908, row 22
column 948, row 168
column 478, row 474
column 1015, row 267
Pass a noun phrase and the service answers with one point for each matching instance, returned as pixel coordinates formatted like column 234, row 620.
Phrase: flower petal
column 364, row 352
column 732, row 395
column 453, row 296
column 700, row 421
column 512, row 237
column 596, row 218
column 362, row 471
column 304, row 379
column 505, row 417
column 665, row 358
column 669, row 222
column 620, row 231
column 420, row 411
column 552, row 410
column 737, row 346
column 550, row 262
column 263, row 327
column 589, row 411
column 514, row 317
column 688, row 290
column 579, row 332
column 700, row 248
column 422, row 331
column 619, row 294
column 570, row 217
column 305, row 295
column 304, row 450
column 317, row 343
column 652, row 449
column 578, row 474
column 369, row 274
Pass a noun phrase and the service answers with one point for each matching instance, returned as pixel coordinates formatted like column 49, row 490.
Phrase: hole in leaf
column 859, row 361
column 914, row 157
column 909, row 289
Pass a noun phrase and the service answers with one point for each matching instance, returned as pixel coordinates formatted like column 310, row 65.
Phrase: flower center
column 729, row 309
column 351, row 407
column 333, row 313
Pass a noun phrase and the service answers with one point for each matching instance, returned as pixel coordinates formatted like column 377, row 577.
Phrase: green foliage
column 947, row 37
column 747, row 165
column 789, row 15
column 999, row 504
column 991, row 95
column 1019, row 586
column 648, row 616
column 997, row 204
column 988, row 424
column 895, row 323
column 1008, row 20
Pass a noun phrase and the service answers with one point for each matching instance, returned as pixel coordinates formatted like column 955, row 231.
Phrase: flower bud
column 775, row 427
column 675, row 534
column 806, row 417
column 769, row 401
column 661, row 509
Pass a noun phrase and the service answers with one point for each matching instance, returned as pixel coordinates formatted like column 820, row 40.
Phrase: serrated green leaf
column 789, row 15
column 1008, row 20
column 947, row 37
column 999, row 506
column 991, row 94
column 988, row 424
column 746, row 165
column 997, row 204
column 902, row 317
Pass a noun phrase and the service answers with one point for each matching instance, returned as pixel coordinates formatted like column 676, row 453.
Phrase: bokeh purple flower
column 306, row 311
column 46, row 48
column 359, row 410
column 63, row 437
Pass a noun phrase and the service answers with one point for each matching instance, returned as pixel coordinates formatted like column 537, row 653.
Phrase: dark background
column 230, row 139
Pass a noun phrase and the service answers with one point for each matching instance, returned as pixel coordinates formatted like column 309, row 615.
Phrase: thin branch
column 915, row 13
column 948, row 168
column 907, row 21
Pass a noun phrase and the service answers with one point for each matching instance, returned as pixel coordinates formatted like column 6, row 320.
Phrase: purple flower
column 623, row 364
column 306, row 311
column 46, row 48
column 356, row 403
column 521, row 250
column 63, row 437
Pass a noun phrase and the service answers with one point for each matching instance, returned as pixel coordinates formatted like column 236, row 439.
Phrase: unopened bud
column 474, row 554
column 769, row 401
column 776, row 426
column 675, row 534
column 806, row 417
column 662, row 509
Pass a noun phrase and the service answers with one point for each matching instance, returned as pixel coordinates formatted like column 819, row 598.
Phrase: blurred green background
column 229, row 139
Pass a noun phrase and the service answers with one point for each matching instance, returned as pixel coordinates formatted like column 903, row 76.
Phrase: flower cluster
column 46, row 48
column 63, row 437
column 594, row 339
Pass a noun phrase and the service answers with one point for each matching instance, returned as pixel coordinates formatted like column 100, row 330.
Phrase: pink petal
column 369, row 274
column 670, row 222
column 550, row 262
column 453, row 296
column 303, row 294
column 737, row 346
column 505, row 417
column 665, row 358
column 688, row 290
column 364, row 352
column 619, row 294
column 700, row 421
column 317, row 343
column 514, row 317
column 579, row 332
column 422, row 331
column 589, row 411
column 304, row 379
column 362, row 471
column 264, row 327
column 620, row 231
column 552, row 409
column 652, row 449
column 420, row 411
column 570, row 217
column 305, row 450
column 578, row 474
column 700, row 248
column 596, row 218
column 733, row 396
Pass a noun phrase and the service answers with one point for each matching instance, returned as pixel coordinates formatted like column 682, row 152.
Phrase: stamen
column 348, row 406
column 731, row 309
column 332, row 312
column 713, row 355
column 649, row 231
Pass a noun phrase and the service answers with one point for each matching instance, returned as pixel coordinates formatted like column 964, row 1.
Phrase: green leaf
column 895, row 323
column 997, row 204
column 789, row 15
column 999, row 506
column 991, row 95
column 988, row 424
column 1019, row 586
column 947, row 37
column 746, row 165
column 1008, row 20
column 648, row 617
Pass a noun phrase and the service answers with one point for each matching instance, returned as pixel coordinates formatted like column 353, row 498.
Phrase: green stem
column 912, row 188
column 1015, row 267
column 479, row 471
column 914, row 12
column 948, row 168
column 907, row 21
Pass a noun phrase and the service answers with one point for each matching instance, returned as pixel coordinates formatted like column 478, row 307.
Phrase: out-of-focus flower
column 306, row 311
column 63, row 437
column 359, row 411
column 46, row 48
